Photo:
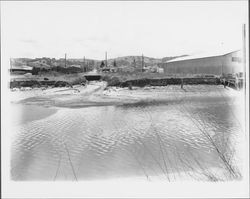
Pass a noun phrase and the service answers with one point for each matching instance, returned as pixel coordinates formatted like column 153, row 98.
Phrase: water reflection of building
column 221, row 63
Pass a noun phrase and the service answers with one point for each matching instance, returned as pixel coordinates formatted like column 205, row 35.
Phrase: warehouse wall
column 209, row 65
column 232, row 63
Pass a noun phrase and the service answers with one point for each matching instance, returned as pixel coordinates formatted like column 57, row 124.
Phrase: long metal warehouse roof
column 202, row 55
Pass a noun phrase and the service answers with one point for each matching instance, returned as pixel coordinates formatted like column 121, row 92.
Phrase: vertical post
column 244, row 69
column 142, row 63
column 106, row 59
column 164, row 66
column 65, row 60
column 221, row 69
column 182, row 83
column 83, row 66
column 244, row 55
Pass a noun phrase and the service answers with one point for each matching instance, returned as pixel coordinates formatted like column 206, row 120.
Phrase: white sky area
column 156, row 29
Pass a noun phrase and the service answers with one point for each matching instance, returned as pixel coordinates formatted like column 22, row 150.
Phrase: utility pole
column 244, row 54
column 65, row 60
column 222, row 62
column 244, row 67
column 221, row 68
column 106, row 59
column 83, row 64
column 142, row 63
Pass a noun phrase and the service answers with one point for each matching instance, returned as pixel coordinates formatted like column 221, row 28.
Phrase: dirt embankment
column 113, row 80
column 141, row 82
column 62, row 81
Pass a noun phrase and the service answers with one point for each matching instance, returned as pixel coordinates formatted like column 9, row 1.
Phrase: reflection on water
column 165, row 141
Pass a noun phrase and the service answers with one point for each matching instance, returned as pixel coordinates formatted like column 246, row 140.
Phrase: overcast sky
column 156, row 29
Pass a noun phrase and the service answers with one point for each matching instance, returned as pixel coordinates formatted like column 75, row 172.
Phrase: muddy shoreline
column 99, row 94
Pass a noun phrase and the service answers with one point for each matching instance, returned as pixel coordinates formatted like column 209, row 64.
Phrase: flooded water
column 180, row 139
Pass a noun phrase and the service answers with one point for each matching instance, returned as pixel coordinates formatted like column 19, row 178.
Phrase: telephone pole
column 106, row 59
column 142, row 63
column 84, row 65
column 244, row 67
column 244, row 54
column 65, row 60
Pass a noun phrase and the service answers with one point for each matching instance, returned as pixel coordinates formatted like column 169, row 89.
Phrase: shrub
column 62, row 84
column 114, row 81
column 79, row 80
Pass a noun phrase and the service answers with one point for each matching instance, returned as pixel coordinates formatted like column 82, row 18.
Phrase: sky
column 122, row 28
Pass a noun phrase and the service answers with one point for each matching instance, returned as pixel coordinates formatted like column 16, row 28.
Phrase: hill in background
column 134, row 61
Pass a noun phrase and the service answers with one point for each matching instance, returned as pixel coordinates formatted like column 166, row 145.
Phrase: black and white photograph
column 124, row 99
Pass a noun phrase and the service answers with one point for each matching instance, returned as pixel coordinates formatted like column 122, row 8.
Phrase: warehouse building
column 221, row 63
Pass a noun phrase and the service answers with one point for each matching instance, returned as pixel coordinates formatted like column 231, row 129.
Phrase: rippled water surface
column 165, row 140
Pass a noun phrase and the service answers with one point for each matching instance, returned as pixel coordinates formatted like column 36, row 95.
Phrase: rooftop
column 21, row 67
column 214, row 53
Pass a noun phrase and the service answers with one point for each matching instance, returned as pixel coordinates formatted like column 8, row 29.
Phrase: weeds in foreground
column 233, row 172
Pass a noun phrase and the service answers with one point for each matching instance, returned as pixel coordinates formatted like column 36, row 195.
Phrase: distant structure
column 142, row 63
column 134, row 63
column 221, row 63
column 106, row 59
column 114, row 63
column 20, row 70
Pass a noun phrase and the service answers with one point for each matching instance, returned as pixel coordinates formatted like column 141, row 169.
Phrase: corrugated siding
column 209, row 65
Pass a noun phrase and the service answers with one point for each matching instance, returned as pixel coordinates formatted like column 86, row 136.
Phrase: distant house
column 105, row 69
column 125, row 69
column 42, row 64
column 160, row 70
column 55, row 63
column 74, row 69
column 113, row 69
column 75, row 66
column 153, row 69
column 109, row 68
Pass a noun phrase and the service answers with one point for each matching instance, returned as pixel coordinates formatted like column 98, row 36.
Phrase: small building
column 75, row 66
column 153, row 69
column 20, row 70
column 113, row 69
column 221, row 63
column 126, row 69
column 42, row 64
column 160, row 70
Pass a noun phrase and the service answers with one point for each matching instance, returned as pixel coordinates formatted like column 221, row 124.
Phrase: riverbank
column 112, row 79
column 43, row 81
column 158, row 81
column 150, row 133
column 98, row 94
